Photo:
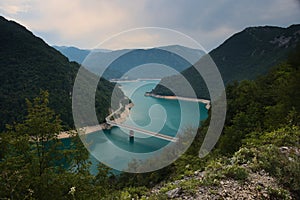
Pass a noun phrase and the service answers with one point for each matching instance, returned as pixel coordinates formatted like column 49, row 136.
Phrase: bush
column 285, row 136
column 278, row 194
column 286, row 168
column 190, row 186
column 134, row 192
column 245, row 156
column 236, row 172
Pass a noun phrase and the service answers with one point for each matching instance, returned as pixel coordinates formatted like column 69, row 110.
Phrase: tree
column 33, row 157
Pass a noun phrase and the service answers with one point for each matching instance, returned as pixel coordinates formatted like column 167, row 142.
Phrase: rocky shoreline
column 123, row 115
column 104, row 126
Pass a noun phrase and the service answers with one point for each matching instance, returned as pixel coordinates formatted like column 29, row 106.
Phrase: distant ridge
column 245, row 55
column 127, row 59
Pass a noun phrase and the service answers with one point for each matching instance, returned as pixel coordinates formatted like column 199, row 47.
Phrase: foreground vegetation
column 261, row 135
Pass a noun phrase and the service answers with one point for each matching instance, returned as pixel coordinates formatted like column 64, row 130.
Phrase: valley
column 137, row 132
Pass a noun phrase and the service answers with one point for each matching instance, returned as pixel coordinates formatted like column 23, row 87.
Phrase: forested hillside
column 257, row 156
column 245, row 55
column 258, row 153
column 29, row 65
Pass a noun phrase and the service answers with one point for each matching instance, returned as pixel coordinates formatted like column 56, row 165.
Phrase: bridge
column 131, row 128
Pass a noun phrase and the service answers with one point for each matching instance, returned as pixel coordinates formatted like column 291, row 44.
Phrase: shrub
column 245, row 156
column 286, row 168
column 190, row 186
column 236, row 172
column 134, row 192
column 278, row 194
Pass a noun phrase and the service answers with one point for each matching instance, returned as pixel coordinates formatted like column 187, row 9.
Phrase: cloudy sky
column 86, row 23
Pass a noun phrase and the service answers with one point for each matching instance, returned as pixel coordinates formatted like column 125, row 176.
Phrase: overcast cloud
column 85, row 23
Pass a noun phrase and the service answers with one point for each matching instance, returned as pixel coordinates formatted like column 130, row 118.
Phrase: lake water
column 167, row 117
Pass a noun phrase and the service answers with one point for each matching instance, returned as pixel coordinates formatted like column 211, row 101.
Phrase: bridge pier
column 131, row 133
column 131, row 136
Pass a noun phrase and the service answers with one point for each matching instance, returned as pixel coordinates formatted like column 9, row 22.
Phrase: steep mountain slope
column 127, row 59
column 245, row 55
column 258, row 153
column 28, row 65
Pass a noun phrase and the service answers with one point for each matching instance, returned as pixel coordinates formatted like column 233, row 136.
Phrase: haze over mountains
column 256, row 157
column 245, row 55
column 28, row 64
column 76, row 54
column 119, row 62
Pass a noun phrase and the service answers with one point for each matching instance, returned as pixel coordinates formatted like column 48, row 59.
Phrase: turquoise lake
column 167, row 117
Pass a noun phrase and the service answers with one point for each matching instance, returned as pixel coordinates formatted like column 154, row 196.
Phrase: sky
column 86, row 23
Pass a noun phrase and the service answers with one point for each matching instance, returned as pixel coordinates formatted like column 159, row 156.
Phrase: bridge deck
column 146, row 132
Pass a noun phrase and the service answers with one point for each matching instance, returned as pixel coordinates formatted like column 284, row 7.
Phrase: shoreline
column 86, row 130
column 124, row 114
column 205, row 101
column 104, row 126
column 133, row 80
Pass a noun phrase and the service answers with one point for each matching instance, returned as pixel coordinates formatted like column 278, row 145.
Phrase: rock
column 201, row 174
column 173, row 193
column 256, row 187
column 283, row 149
column 260, row 183
column 196, row 172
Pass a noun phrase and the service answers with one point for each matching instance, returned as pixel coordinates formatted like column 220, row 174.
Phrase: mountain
column 245, row 55
column 73, row 53
column 76, row 54
column 119, row 62
column 29, row 65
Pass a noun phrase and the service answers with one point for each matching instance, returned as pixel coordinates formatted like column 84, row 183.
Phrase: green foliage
column 278, row 194
column 223, row 168
column 236, row 172
column 27, row 65
column 278, row 165
column 35, row 164
column 263, row 116
column 214, row 172
column 190, row 186
column 33, row 154
column 261, row 105
column 168, row 187
column 246, row 55
column 268, row 157
column 285, row 136
column 245, row 156
column 133, row 193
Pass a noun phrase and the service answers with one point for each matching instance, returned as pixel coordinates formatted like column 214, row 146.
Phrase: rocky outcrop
column 259, row 185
